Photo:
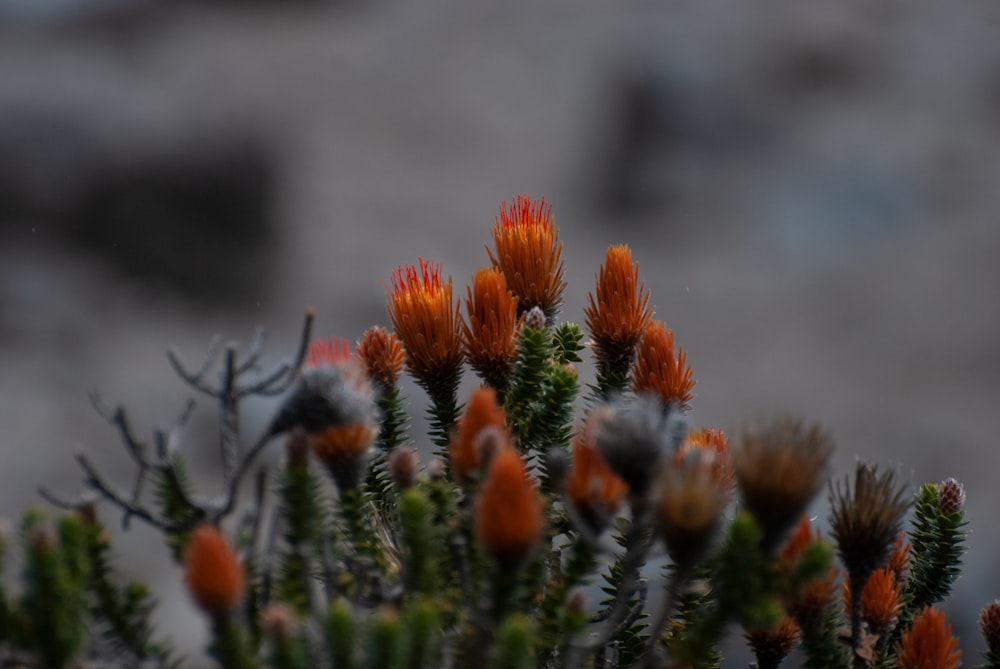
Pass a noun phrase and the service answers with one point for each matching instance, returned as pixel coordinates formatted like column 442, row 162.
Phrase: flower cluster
column 369, row 546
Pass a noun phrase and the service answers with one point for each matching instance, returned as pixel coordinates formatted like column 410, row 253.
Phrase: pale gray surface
column 829, row 250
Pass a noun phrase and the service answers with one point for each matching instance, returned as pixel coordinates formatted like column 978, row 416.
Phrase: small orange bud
column 617, row 311
column 381, row 352
column 528, row 253
column 490, row 327
column 214, row 576
column 928, row 643
column 661, row 370
column 465, row 451
column 508, row 513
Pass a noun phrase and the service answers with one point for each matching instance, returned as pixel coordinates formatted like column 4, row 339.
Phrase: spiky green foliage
column 423, row 634
column 422, row 543
column 392, row 434
column 339, row 629
column 172, row 492
column 514, row 643
column 302, row 516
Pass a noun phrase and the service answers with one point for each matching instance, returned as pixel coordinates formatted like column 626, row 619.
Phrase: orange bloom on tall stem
column 595, row 491
column 618, row 311
column 928, row 643
column 490, row 327
column 427, row 321
column 382, row 355
column 658, row 369
column 213, row 575
column 509, row 512
column 528, row 252
column 482, row 420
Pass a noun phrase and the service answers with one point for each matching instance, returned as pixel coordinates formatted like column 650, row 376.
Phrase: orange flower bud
column 382, row 355
column 659, row 370
column 618, row 311
column 880, row 603
column 214, row 576
column 528, row 253
column 344, row 450
column 508, row 513
column 713, row 445
column 490, row 328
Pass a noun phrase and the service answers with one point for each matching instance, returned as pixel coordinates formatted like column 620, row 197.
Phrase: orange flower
column 594, row 490
column 619, row 311
column 329, row 351
column 528, row 253
column 714, row 445
column 928, row 643
column 427, row 322
column 658, row 370
column 343, row 450
column 213, row 574
column 690, row 501
column 880, row 603
column 482, row 420
column 508, row 513
column 382, row 355
column 491, row 326
column 899, row 561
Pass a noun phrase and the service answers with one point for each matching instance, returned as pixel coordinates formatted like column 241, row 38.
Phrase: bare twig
column 97, row 483
column 254, row 351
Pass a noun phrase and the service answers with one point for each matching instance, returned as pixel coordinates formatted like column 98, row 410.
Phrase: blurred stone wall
column 810, row 192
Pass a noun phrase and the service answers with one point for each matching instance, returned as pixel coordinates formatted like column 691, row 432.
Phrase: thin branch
column 261, row 388
column 254, row 351
column 64, row 504
column 94, row 481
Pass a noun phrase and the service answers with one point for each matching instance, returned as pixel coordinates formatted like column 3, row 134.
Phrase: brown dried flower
column 779, row 469
column 865, row 520
column 689, row 504
column 989, row 625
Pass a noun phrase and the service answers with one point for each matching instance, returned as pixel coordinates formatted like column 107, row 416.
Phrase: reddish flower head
column 660, row 370
column 618, row 311
column 427, row 321
column 490, row 327
column 528, row 252
column 928, row 643
column 382, row 355
column 329, row 351
column 509, row 511
column 213, row 574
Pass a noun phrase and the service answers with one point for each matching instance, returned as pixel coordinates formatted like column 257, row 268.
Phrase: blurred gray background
column 811, row 190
